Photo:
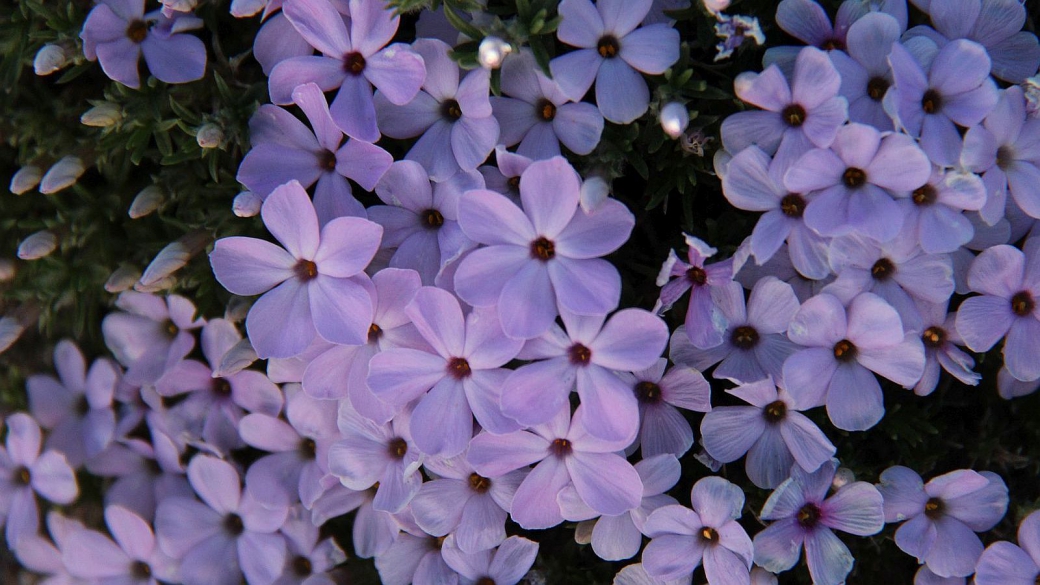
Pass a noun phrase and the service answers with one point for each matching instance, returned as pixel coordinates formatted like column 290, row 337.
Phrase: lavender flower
column 662, row 428
column 414, row 558
column 705, row 321
column 940, row 338
column 309, row 558
column 1003, row 563
column 936, row 213
column 151, row 335
column 133, row 558
column 865, row 72
column 505, row 565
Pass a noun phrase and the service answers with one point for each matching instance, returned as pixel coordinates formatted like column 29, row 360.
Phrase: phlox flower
column 943, row 515
column 935, row 210
column 803, row 515
column 414, row 559
column 1009, row 387
column 865, row 72
column 705, row 322
column 133, row 558
column 43, row 556
column 636, row 575
column 772, row 432
column 808, row 22
column 309, row 558
column 662, row 428
column 612, row 52
column 505, row 565
column 1003, row 563
column 373, row 531
column 940, row 338
column 150, row 333
column 313, row 281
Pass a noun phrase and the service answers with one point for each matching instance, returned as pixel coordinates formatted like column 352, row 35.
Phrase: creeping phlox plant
column 385, row 305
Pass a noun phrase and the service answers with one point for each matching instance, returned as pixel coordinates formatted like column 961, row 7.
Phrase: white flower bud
column 716, row 6
column 159, row 285
column 6, row 269
column 122, row 279
column 102, row 115
column 237, row 309
column 49, row 59
column 147, row 201
column 172, row 258
column 37, row 245
column 492, row 52
column 247, row 204
column 594, row 191
column 26, row 178
column 10, row 330
column 246, row 8
column 674, row 119
column 209, row 136
column 842, row 477
column 63, row 174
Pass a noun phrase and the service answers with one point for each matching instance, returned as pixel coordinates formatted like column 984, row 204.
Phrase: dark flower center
column 543, row 249
column 136, row 31
column 792, row 205
column 934, row 337
column 451, row 110
column 486, row 581
column 744, row 337
column 775, row 412
column 853, row 177
column 302, row 566
column 844, row 351
column 931, row 101
column 306, row 270
column 140, row 570
column 560, row 447
column 1005, row 156
column 925, row 195
column 709, row 535
column 1022, row 303
column 479, row 483
column 808, row 515
column 458, row 368
column 545, row 110
column 648, row 392
column 882, row 270
column 308, row 449
column 696, row 275
column 432, row 219
column 82, row 406
column 397, row 447
column 934, row 508
column 327, row 160
column 233, row 524
column 876, row 88
column 833, row 45
column 514, row 182
column 21, row 476
column 353, row 63
column 374, row 333
column 579, row 354
column 794, row 115
column 171, row 328
column 221, row 387
column 608, row 47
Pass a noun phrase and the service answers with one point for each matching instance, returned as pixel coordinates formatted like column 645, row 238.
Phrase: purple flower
column 315, row 279
column 277, row 41
column 865, row 72
column 505, row 565
column 612, row 52
column 772, row 431
column 843, row 347
column 940, row 338
column 133, row 558
column 38, row 554
column 806, row 21
column 151, row 335
column 1009, row 387
column 1003, row 563
column 662, row 428
column 955, row 89
column 463, row 373
column 118, row 32
column 936, row 213
column 1010, row 283
column 544, row 258
column 755, row 343
column 804, row 515
column 636, row 575
column 350, row 61
column 854, row 181
column 943, row 515
column 453, row 117
column 284, row 149
column 414, row 558
column 682, row 539
column 309, row 558
column 705, row 321
column 537, row 115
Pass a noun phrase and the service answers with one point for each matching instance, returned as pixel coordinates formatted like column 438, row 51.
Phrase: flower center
column 353, row 63
column 883, row 269
column 853, row 177
column 808, row 515
column 792, row 205
column 221, row 388
column 486, row 581
column 458, row 368
column 744, row 337
column 794, row 115
column 560, row 448
column 140, row 570
column 934, row 337
column 833, row 45
column 543, row 249
column 21, row 476
column 1005, row 156
column 608, row 47
column 432, row 219
column 327, row 160
column 233, row 524
column 306, row 270
column 136, row 31
column 844, row 351
column 171, row 328
column 876, row 88
column 308, row 449
column 579, row 354
column 302, row 566
column 934, row 508
column 451, row 110
column 397, row 447
column 931, row 101
column 709, row 535
column 648, row 392
column 925, row 195
column 374, row 333
column 545, row 110
column 479, row 483
column 775, row 412
column 1022, row 303
column 696, row 275
column 82, row 406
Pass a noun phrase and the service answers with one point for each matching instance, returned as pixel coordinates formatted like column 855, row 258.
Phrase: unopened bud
column 172, row 258
column 49, row 59
column 492, row 52
column 147, row 201
column 716, row 6
column 209, row 136
column 102, row 115
column 674, row 119
column 159, row 285
column 37, row 245
column 247, row 204
column 10, row 330
column 239, row 357
column 6, row 269
column 63, row 174
column 594, row 191
column 122, row 279
column 26, row 178
column 237, row 309
column 842, row 477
